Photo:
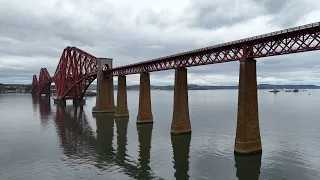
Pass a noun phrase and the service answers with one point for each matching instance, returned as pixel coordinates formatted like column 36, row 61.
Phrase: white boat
column 275, row 91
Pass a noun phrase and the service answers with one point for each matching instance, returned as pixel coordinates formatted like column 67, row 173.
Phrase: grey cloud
column 287, row 12
column 12, row 75
column 273, row 7
column 213, row 14
column 289, row 63
column 231, row 68
column 148, row 16
column 44, row 35
column 128, row 35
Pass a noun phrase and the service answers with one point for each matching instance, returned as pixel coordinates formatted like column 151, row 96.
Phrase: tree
column 1, row 88
column 28, row 88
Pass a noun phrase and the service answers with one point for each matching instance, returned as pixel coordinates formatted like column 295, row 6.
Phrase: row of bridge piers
column 247, row 141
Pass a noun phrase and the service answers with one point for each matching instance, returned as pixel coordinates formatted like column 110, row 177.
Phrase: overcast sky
column 33, row 34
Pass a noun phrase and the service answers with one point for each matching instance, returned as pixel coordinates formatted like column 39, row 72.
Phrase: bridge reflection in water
column 81, row 145
column 44, row 109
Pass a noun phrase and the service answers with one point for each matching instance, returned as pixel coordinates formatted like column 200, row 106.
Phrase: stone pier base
column 145, row 111
column 248, row 140
column 180, row 121
column 96, row 110
column 104, row 98
column 122, row 106
column 59, row 102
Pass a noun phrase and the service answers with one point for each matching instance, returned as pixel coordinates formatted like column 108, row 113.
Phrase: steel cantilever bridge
column 77, row 69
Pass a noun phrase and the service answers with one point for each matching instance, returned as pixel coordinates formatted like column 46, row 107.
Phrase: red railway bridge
column 78, row 69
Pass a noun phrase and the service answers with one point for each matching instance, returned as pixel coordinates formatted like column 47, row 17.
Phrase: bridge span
column 77, row 69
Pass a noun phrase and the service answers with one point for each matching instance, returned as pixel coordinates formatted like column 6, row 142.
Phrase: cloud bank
column 34, row 33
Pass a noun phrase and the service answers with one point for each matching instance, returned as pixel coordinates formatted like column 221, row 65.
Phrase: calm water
column 39, row 140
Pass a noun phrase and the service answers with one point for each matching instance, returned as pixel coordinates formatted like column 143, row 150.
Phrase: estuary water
column 42, row 141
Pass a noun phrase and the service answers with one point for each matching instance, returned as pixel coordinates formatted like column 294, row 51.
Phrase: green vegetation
column 15, row 88
column 28, row 88
column 2, row 88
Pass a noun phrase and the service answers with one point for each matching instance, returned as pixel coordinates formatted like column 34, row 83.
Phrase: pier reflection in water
column 144, row 135
column 39, row 140
column 35, row 103
column 181, row 149
column 122, row 128
column 44, row 109
column 248, row 167
column 104, row 141
column 81, row 144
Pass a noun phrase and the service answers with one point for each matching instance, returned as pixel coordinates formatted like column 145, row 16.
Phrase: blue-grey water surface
column 39, row 140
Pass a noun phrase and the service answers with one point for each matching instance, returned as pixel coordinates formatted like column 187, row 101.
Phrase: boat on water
column 275, row 91
column 296, row 90
column 288, row 90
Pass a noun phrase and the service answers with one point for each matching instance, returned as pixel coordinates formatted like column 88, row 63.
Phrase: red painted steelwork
column 44, row 82
column 77, row 69
column 34, row 85
column 294, row 40
column 75, row 72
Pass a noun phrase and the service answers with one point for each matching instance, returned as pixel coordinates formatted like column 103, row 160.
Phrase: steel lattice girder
column 34, row 85
column 77, row 69
column 294, row 40
column 44, row 82
column 75, row 72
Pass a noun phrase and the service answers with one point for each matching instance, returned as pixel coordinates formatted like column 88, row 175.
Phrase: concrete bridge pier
column 105, row 96
column 122, row 106
column 145, row 111
column 181, row 121
column 248, row 140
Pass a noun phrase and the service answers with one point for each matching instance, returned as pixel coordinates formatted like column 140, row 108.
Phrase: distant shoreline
column 26, row 88
column 198, row 87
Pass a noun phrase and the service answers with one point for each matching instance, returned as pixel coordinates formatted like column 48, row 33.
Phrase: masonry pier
column 145, row 111
column 248, row 140
column 180, row 120
column 122, row 106
column 105, row 96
